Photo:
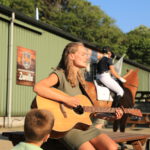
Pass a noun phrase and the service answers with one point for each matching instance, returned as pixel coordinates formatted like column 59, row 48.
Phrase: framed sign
column 26, row 65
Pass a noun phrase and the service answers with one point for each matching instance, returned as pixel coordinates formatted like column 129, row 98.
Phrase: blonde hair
column 66, row 64
column 38, row 124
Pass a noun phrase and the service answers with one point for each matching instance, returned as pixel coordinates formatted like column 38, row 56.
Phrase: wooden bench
column 143, row 103
column 136, row 140
column 144, row 120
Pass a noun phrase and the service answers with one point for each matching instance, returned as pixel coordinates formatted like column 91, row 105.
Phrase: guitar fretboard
column 132, row 111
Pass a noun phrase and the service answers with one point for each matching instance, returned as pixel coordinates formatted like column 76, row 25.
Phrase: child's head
column 38, row 124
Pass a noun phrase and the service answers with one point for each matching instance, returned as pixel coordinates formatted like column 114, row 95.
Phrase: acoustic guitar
column 67, row 118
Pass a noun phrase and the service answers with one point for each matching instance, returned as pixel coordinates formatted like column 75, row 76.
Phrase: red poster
column 26, row 60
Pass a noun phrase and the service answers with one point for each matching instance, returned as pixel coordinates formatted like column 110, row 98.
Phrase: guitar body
column 67, row 118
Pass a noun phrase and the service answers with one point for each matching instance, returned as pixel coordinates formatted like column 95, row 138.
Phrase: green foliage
column 138, row 43
column 5, row 2
column 24, row 6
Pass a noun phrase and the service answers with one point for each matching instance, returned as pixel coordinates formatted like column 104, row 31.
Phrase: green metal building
column 17, row 30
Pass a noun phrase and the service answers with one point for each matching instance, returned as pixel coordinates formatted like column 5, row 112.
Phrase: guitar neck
column 132, row 111
column 99, row 109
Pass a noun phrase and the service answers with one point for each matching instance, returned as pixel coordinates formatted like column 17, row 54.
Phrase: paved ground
column 5, row 144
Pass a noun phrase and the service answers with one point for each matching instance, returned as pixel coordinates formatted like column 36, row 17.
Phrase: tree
column 78, row 17
column 24, row 6
column 138, row 44
column 90, row 23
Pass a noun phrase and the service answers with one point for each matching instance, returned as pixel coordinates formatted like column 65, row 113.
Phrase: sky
column 128, row 14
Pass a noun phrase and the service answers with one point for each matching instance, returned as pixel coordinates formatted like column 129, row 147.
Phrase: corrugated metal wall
column 144, row 82
column 48, row 49
column 144, row 77
column 3, row 65
column 22, row 95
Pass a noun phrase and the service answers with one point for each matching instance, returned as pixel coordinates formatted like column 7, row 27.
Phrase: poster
column 26, row 65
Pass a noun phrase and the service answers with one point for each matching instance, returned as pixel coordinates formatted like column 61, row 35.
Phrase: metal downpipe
column 10, row 69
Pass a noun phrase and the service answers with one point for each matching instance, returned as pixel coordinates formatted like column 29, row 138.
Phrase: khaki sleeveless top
column 65, row 86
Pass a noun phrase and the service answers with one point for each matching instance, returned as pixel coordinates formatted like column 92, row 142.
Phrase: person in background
column 93, row 58
column 37, row 128
column 69, row 79
column 105, row 69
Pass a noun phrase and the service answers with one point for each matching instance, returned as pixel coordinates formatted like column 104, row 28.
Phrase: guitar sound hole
column 78, row 109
